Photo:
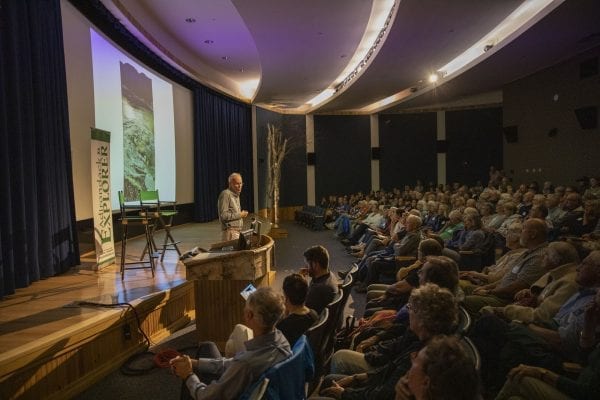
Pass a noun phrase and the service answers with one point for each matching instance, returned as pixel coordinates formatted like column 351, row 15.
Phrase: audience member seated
column 323, row 285
column 555, row 211
column 406, row 247
column 396, row 295
column 510, row 212
column 521, row 275
column 541, row 302
column 454, row 224
column 526, row 204
column 527, row 382
column 593, row 191
column 470, row 280
column 571, row 224
column 374, row 240
column 591, row 216
column 432, row 311
column 298, row 318
column 470, row 238
column 506, row 345
column 433, row 221
column 263, row 309
column 486, row 210
column 373, row 220
column 497, row 218
column 439, row 270
column 442, row 370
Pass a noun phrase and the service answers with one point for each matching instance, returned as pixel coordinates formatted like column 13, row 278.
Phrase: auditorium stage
column 50, row 347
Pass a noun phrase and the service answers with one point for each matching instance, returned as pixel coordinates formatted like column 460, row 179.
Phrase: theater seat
column 287, row 379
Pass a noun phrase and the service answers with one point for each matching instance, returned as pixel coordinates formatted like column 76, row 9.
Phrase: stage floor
column 46, row 307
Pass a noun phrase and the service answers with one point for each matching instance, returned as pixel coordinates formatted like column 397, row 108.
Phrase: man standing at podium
column 231, row 214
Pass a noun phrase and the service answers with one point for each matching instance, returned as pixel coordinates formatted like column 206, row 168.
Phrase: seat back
column 259, row 390
column 483, row 256
column 122, row 202
column 346, row 288
column 149, row 196
column 325, row 348
column 472, row 351
column 287, row 379
column 464, row 321
column 314, row 334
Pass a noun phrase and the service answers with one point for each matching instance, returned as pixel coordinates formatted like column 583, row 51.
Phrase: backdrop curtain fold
column 222, row 145
column 37, row 217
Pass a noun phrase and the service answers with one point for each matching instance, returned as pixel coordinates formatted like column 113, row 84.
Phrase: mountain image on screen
column 138, row 132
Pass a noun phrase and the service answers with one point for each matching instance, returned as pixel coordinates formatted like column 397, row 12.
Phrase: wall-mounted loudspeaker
column 587, row 117
column 375, row 153
column 310, row 158
column 511, row 134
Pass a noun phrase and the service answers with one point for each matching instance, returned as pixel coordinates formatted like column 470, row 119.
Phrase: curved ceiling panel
column 207, row 37
column 303, row 45
column 415, row 47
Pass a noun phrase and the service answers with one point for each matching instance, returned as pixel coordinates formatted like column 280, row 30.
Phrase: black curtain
column 37, row 212
column 222, row 145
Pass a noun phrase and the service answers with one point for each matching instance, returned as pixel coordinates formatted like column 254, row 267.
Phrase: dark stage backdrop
column 293, row 171
column 37, row 219
column 342, row 154
column 474, row 144
column 407, row 149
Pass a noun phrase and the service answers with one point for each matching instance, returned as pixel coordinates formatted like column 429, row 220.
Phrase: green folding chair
column 162, row 213
column 135, row 217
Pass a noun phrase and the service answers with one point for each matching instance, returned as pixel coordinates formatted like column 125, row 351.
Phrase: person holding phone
column 263, row 310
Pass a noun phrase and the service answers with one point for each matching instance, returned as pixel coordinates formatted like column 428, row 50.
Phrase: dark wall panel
column 407, row 149
column 342, row 154
column 293, row 172
column 552, row 143
column 474, row 140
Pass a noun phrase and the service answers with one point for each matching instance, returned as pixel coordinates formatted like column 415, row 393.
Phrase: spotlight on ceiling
column 433, row 78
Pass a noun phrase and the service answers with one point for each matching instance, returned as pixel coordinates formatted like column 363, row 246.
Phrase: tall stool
column 162, row 213
column 138, row 218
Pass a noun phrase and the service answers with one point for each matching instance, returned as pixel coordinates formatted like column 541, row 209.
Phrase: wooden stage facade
column 52, row 347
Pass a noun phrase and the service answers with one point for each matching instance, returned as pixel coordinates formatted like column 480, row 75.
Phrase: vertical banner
column 103, row 227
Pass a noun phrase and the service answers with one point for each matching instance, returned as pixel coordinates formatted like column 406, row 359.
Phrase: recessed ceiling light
column 208, row 41
column 190, row 20
column 433, row 78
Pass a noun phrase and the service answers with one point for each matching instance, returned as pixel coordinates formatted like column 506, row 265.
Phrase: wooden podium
column 219, row 276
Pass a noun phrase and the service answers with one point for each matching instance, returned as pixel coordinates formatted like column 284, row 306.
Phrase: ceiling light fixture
column 523, row 17
column 225, row 58
column 190, row 20
column 382, row 14
column 433, row 78
column 520, row 19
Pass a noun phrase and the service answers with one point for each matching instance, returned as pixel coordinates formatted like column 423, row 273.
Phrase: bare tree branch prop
column 278, row 148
